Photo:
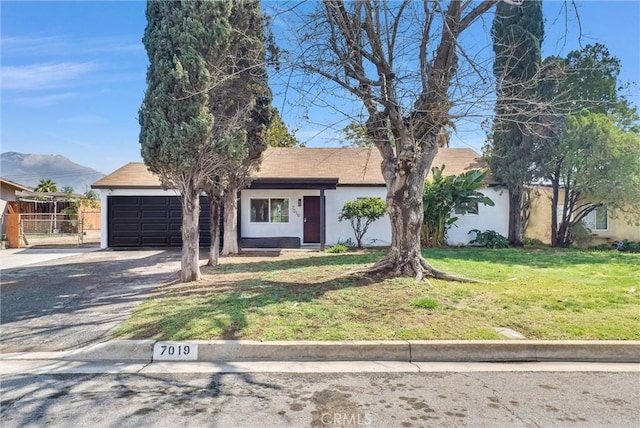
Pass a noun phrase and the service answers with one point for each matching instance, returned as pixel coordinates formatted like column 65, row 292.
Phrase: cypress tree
column 245, row 116
column 517, row 34
column 181, row 39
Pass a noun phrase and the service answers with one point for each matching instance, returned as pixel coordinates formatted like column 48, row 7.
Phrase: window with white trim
column 597, row 219
column 273, row 210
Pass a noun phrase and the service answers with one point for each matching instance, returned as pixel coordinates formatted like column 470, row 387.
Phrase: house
column 606, row 226
column 8, row 191
column 294, row 200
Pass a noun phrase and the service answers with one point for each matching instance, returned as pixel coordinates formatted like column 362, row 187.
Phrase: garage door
column 151, row 221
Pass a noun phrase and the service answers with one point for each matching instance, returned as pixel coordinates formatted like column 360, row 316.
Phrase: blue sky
column 73, row 76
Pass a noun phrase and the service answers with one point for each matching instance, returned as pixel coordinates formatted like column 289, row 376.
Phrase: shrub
column 533, row 242
column 489, row 239
column 580, row 235
column 347, row 242
column 628, row 246
column 337, row 249
column 601, row 247
column 361, row 213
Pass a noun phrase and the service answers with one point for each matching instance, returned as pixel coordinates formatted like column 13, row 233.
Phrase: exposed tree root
column 416, row 267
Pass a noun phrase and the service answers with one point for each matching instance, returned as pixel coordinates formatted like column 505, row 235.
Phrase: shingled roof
column 349, row 165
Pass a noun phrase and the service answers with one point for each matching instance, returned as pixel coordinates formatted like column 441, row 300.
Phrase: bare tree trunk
column 555, row 188
column 230, row 241
column 214, row 231
column 562, row 237
column 190, row 234
column 404, row 205
column 515, row 217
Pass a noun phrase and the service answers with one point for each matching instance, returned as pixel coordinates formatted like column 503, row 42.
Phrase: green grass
column 541, row 293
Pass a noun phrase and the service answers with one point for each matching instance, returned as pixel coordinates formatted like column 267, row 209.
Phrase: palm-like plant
column 46, row 186
column 444, row 194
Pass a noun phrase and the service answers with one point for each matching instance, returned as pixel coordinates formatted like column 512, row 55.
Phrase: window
column 467, row 208
column 279, row 211
column 259, row 210
column 597, row 219
column 275, row 210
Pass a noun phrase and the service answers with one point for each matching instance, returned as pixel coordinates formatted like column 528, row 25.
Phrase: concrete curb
column 117, row 350
column 526, row 351
column 402, row 351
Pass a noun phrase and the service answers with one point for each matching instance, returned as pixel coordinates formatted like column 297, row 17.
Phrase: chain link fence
column 51, row 225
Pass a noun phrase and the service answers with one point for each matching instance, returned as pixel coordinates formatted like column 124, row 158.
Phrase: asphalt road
column 495, row 399
column 76, row 301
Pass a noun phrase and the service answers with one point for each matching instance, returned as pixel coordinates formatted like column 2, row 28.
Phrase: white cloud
column 45, row 100
column 43, row 76
column 38, row 46
column 118, row 47
column 32, row 45
column 84, row 119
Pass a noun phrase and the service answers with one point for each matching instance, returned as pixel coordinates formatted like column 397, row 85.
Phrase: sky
column 72, row 75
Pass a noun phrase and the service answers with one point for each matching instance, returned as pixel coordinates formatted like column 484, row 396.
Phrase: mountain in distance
column 29, row 169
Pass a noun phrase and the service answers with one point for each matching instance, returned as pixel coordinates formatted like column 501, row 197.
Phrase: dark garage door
column 151, row 221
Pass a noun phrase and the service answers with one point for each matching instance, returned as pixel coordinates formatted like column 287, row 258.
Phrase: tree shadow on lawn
column 314, row 259
column 223, row 306
column 538, row 258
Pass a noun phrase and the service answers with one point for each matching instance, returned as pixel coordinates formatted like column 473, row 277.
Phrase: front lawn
column 542, row 294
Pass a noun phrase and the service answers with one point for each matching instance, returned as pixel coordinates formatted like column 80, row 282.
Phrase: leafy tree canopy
column 355, row 134
column 601, row 160
column 278, row 135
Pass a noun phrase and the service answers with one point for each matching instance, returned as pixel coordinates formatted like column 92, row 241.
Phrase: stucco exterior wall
column 7, row 193
column 379, row 232
column 293, row 228
column 539, row 227
column 488, row 218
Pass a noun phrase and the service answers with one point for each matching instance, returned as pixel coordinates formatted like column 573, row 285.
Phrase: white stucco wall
column 379, row 232
column 104, row 208
column 488, row 218
column 265, row 230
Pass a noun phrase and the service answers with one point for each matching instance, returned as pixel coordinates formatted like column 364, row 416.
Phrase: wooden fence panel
column 12, row 229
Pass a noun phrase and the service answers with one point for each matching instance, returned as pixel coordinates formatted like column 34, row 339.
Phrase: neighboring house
column 8, row 191
column 37, row 205
column 294, row 200
column 607, row 227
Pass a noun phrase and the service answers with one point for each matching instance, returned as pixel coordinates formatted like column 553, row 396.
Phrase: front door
column 311, row 212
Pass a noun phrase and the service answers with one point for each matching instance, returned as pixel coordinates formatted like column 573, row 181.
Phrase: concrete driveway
column 17, row 257
column 73, row 301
